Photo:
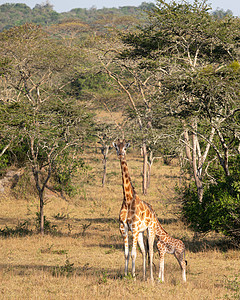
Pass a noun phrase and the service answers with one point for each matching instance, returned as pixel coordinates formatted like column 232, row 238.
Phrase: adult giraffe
column 135, row 215
column 139, row 216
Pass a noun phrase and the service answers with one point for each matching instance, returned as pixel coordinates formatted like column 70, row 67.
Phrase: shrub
column 65, row 169
column 20, row 230
column 220, row 206
column 48, row 227
column 219, row 209
column 65, row 270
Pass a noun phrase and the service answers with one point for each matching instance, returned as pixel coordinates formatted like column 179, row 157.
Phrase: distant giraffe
column 138, row 216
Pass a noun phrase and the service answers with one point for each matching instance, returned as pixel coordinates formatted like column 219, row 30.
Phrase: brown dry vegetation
column 84, row 258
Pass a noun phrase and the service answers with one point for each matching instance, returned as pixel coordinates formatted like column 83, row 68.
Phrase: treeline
column 44, row 14
column 12, row 14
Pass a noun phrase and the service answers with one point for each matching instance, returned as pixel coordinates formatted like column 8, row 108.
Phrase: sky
column 64, row 6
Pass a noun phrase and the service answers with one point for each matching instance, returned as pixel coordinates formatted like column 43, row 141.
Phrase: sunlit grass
column 83, row 258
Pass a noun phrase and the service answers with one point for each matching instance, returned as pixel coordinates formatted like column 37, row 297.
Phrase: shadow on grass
column 66, row 269
column 21, row 229
column 116, row 220
column 98, row 220
column 194, row 245
column 204, row 244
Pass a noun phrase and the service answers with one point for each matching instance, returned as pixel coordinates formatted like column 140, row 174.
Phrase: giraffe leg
column 134, row 251
column 162, row 251
column 161, row 267
column 141, row 245
column 150, row 244
column 182, row 263
column 124, row 232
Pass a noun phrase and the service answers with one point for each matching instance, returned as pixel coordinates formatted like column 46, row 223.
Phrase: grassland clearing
column 83, row 257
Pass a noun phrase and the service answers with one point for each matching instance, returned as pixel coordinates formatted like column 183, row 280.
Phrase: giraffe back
column 167, row 243
column 140, row 215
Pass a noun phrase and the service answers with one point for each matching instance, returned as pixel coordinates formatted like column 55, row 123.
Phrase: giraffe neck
column 128, row 189
column 161, row 233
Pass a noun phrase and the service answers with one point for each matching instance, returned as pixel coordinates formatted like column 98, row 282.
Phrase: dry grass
column 84, row 259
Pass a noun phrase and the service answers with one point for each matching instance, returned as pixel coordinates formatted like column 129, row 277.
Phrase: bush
column 219, row 210
column 220, row 206
column 195, row 213
column 64, row 171
column 48, row 227
column 20, row 230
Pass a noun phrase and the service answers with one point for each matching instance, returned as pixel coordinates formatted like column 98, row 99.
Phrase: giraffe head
column 121, row 147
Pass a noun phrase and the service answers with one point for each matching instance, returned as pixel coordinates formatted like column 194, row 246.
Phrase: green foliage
column 48, row 227
column 233, row 284
column 65, row 270
column 3, row 163
column 91, row 82
column 220, row 13
column 23, row 187
column 18, row 14
column 103, row 278
column 220, row 206
column 65, row 168
column 41, row 124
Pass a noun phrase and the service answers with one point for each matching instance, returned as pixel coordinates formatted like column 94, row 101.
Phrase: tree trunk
column 105, row 154
column 224, row 160
column 35, row 170
column 145, row 167
column 197, row 171
column 41, row 213
column 150, row 162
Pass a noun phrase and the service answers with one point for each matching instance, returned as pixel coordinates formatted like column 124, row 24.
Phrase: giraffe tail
column 185, row 257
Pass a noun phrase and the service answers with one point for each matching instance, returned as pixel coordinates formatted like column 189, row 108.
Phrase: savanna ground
column 84, row 258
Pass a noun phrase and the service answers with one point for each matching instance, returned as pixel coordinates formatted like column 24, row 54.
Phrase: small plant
column 62, row 251
column 20, row 230
column 61, row 216
column 85, row 227
column 103, row 278
column 46, row 250
column 128, row 277
column 69, row 228
column 49, row 250
column 48, row 227
column 234, row 285
column 65, row 270
column 111, row 250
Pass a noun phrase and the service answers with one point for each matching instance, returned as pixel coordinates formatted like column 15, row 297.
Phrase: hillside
column 19, row 13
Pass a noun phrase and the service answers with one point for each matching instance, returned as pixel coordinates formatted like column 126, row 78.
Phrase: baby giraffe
column 138, row 216
column 167, row 244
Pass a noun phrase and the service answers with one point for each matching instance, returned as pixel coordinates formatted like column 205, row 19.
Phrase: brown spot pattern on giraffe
column 137, row 213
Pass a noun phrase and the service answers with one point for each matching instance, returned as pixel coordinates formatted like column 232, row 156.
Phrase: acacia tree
column 138, row 87
column 51, row 123
column 191, row 52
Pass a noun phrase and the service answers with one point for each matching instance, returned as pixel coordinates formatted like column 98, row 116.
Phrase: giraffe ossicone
column 138, row 216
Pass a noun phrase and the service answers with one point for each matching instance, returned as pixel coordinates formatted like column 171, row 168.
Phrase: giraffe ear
column 127, row 145
column 114, row 144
